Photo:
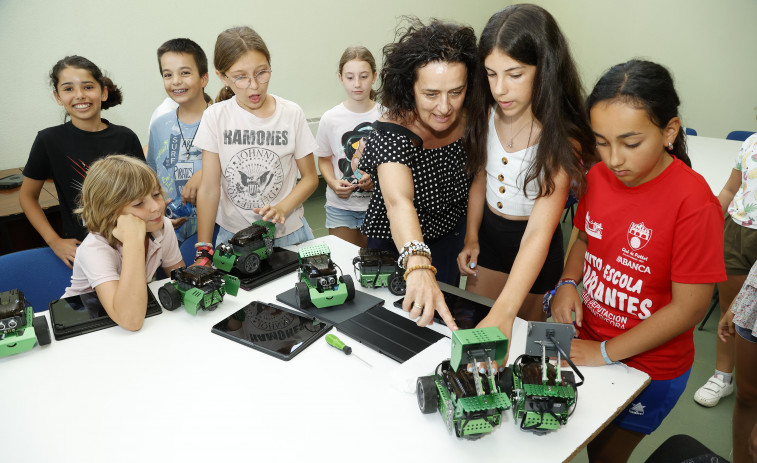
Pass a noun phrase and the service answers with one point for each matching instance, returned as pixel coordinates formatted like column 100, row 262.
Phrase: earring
column 670, row 146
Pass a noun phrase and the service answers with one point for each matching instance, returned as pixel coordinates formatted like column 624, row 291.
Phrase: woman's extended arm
column 423, row 295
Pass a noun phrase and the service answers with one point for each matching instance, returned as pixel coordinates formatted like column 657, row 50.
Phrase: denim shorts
column 298, row 236
column 645, row 413
column 746, row 334
column 336, row 217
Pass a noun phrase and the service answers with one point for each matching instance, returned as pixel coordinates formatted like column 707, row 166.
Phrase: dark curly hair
column 115, row 96
column 644, row 85
column 529, row 34
column 415, row 46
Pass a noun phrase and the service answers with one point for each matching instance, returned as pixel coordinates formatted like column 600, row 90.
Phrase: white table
column 176, row 392
column 713, row 158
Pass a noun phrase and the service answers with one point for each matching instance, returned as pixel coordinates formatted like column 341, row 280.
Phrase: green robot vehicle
column 470, row 403
column 318, row 283
column 198, row 288
column 542, row 393
column 246, row 249
column 375, row 268
column 20, row 330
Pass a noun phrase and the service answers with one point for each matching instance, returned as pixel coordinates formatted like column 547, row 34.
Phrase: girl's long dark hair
column 644, row 85
column 529, row 34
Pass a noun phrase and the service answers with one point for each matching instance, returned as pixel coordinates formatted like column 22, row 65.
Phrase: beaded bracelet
column 410, row 248
column 547, row 300
column 419, row 267
column 415, row 253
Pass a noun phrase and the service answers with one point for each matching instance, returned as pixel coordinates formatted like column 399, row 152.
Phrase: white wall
column 707, row 45
column 305, row 38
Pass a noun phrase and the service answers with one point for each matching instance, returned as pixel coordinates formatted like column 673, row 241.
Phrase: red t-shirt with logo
column 640, row 240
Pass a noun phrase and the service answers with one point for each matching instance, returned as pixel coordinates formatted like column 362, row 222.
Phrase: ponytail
column 226, row 93
column 115, row 95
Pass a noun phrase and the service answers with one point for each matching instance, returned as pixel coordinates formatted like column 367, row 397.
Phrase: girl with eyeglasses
column 253, row 144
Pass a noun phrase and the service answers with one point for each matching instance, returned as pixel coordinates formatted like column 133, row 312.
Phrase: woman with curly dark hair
column 417, row 158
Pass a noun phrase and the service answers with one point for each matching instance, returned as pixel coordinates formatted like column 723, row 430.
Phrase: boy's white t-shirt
column 339, row 132
column 258, row 159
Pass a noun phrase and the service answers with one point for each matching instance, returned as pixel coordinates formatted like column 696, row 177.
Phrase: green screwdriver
column 336, row 342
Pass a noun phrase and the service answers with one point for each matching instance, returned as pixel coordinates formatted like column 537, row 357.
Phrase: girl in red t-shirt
column 648, row 250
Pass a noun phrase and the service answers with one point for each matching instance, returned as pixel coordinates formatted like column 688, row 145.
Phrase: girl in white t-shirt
column 340, row 146
column 122, row 206
column 253, row 145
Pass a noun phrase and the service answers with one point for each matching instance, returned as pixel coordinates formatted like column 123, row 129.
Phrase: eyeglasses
column 244, row 82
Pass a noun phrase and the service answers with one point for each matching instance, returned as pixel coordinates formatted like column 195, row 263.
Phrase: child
column 64, row 152
column 648, row 249
column 741, row 319
column 171, row 152
column 122, row 205
column 533, row 142
column 340, row 142
column 253, row 144
column 738, row 201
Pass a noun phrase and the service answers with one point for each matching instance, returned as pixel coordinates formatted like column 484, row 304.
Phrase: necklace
column 512, row 137
column 187, row 146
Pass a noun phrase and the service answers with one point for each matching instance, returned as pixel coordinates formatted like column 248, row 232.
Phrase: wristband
column 419, row 267
column 604, row 353
column 203, row 253
column 547, row 300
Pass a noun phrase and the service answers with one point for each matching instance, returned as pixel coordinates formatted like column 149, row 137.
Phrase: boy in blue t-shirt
column 170, row 152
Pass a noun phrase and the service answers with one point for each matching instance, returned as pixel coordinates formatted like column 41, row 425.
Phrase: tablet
column 75, row 315
column 272, row 329
column 466, row 307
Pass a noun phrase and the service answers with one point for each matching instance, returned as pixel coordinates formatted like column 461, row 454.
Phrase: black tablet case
column 63, row 332
column 338, row 314
column 249, row 343
column 389, row 333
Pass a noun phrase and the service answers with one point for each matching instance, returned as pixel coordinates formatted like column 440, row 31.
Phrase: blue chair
column 740, row 135
column 39, row 273
column 187, row 248
column 689, row 131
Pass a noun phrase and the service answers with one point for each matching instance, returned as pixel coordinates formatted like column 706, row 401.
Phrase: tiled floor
column 711, row 426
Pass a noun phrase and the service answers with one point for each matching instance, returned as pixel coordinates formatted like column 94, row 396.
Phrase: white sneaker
column 713, row 390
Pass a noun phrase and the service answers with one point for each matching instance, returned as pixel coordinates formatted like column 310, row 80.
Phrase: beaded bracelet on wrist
column 412, row 247
column 419, row 267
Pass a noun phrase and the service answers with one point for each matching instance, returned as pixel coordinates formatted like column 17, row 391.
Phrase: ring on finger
column 418, row 306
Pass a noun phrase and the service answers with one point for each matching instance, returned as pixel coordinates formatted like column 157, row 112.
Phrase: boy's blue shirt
column 167, row 155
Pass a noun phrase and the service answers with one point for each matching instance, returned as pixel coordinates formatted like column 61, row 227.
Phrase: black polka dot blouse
column 441, row 184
